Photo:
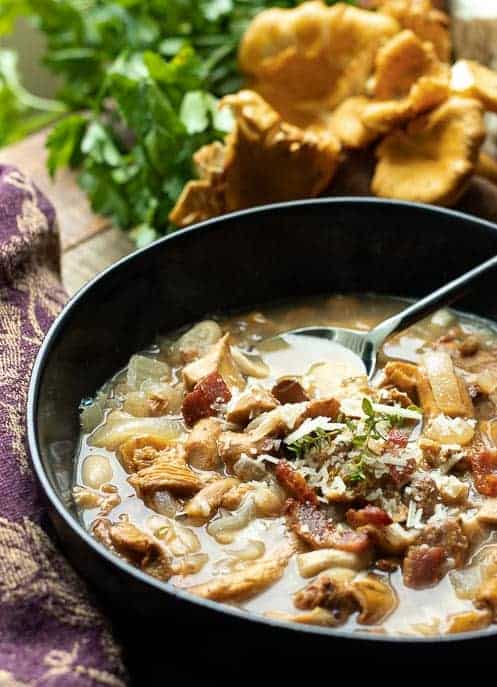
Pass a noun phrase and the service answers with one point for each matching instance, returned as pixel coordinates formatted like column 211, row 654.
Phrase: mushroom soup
column 271, row 475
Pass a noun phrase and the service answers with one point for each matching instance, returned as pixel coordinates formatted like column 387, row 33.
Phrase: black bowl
column 247, row 258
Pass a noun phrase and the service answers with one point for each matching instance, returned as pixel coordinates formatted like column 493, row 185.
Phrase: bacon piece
column 388, row 565
column 402, row 475
column 370, row 515
column 484, row 467
column 200, row 402
column 289, row 391
column 295, row 483
column 450, row 536
column 354, row 542
column 424, row 493
column 397, row 438
column 312, row 526
column 424, row 566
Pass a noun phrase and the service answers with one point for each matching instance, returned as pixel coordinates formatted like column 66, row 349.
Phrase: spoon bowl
column 358, row 343
column 367, row 344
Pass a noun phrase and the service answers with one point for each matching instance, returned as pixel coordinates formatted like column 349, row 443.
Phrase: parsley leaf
column 64, row 143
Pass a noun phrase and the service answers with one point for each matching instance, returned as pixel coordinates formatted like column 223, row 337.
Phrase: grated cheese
column 451, row 430
column 440, row 514
column 399, row 461
column 397, row 410
column 264, row 457
column 352, row 407
column 414, row 516
column 337, row 485
column 290, row 413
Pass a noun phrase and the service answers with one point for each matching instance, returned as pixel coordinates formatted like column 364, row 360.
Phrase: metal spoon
column 367, row 344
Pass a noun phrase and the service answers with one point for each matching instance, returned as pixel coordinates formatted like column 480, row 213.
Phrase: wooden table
column 89, row 242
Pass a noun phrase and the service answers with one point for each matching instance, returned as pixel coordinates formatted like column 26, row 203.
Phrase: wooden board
column 89, row 242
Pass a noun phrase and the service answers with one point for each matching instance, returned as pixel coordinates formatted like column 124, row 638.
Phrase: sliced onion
column 250, row 364
column 223, row 529
column 190, row 564
column 466, row 581
column 120, row 427
column 254, row 549
column 178, row 539
column 141, row 369
column 92, row 414
column 197, row 340
column 164, row 503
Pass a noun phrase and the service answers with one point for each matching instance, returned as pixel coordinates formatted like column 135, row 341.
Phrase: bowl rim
column 70, row 521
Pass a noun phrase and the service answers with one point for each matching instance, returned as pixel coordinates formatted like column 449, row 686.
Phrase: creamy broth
column 239, row 534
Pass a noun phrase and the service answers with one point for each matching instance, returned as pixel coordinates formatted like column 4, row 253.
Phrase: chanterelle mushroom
column 409, row 73
column 348, row 125
column 408, row 79
column 265, row 160
column 375, row 598
column 426, row 21
column 305, row 61
column 476, row 81
column 432, row 159
column 401, row 62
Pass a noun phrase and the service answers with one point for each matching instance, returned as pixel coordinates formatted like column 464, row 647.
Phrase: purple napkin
column 51, row 634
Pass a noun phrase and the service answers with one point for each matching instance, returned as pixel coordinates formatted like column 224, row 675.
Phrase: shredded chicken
column 205, row 503
column 254, row 401
column 140, row 549
column 242, row 585
column 141, row 451
column 218, row 359
column 164, row 474
column 201, row 444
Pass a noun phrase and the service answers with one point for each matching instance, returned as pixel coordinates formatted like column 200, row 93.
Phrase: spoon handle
column 445, row 295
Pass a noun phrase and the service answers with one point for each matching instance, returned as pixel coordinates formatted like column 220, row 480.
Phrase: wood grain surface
column 89, row 242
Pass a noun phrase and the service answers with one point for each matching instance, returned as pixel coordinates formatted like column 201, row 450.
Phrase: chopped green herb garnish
column 375, row 426
column 316, row 440
column 367, row 407
column 357, row 474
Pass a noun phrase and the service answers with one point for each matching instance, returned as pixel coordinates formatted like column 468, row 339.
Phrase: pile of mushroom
column 323, row 82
